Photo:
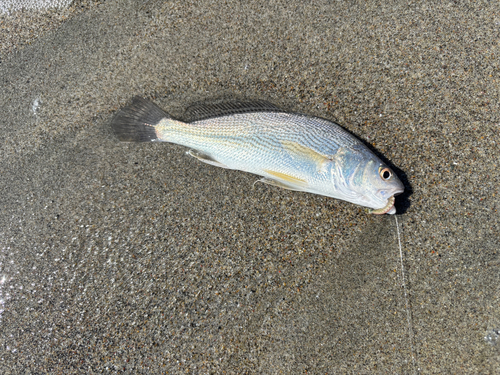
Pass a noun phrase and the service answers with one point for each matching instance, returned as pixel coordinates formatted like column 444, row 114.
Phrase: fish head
column 382, row 185
column 367, row 180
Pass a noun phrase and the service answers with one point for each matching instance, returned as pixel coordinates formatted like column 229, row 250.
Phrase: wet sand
column 136, row 258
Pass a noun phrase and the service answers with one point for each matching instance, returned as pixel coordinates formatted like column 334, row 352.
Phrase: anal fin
column 206, row 158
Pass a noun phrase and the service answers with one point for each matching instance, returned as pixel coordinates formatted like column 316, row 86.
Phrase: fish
column 289, row 150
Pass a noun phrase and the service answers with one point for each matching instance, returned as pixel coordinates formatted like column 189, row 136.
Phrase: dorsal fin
column 204, row 110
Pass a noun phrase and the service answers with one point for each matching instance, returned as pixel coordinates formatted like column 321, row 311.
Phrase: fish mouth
column 388, row 209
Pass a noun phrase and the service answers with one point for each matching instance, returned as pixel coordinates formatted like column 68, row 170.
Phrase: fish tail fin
column 137, row 122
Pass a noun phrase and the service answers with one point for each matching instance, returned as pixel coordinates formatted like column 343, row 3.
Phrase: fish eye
column 385, row 173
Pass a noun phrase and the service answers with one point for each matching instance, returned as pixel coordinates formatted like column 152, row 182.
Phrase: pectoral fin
column 307, row 154
column 279, row 184
column 206, row 158
column 285, row 181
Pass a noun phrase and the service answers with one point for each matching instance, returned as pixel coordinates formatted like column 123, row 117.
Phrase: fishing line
column 408, row 314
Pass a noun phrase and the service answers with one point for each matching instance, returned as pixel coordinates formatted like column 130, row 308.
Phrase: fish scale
column 292, row 151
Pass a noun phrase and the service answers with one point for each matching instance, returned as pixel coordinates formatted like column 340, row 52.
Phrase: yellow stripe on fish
column 307, row 154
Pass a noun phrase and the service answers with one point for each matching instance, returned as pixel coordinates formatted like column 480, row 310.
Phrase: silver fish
column 292, row 151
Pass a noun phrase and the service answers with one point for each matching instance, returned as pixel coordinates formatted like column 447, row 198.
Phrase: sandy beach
column 136, row 258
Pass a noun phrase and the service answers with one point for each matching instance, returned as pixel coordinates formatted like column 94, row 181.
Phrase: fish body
column 292, row 151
